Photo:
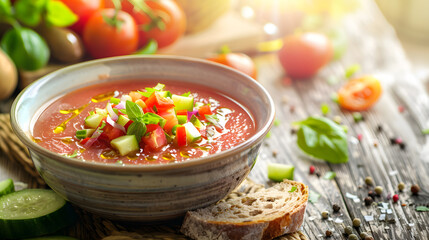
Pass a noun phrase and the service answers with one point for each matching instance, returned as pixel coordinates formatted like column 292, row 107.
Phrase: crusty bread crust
column 266, row 214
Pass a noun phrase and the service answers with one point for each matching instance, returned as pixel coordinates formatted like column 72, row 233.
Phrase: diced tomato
column 84, row 140
column 156, row 138
column 171, row 119
column 128, row 124
column 204, row 110
column 159, row 101
column 182, row 112
column 148, row 109
column 135, row 95
column 110, row 133
column 181, row 136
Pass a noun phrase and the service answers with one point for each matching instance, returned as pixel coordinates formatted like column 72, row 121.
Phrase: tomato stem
column 156, row 20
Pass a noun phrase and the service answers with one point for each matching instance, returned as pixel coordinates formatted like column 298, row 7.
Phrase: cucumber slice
column 197, row 123
column 92, row 121
column 84, row 133
column 6, row 187
column 182, row 102
column 192, row 133
column 32, row 213
column 101, row 111
column 277, row 172
column 52, row 238
column 122, row 120
column 125, row 144
column 182, row 119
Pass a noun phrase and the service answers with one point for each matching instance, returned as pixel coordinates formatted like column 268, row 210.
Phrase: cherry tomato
column 103, row 39
column 238, row 61
column 84, row 9
column 302, row 55
column 359, row 94
column 166, row 12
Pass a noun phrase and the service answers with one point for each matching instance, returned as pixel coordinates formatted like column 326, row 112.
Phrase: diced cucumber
column 122, row 120
column 141, row 103
column 197, row 123
column 181, row 102
column 163, row 93
column 173, row 130
column 192, row 133
column 84, row 133
column 6, row 187
column 32, row 213
column 115, row 100
column 125, row 144
column 92, row 121
column 101, row 111
column 159, row 86
column 182, row 119
column 52, row 238
column 277, row 171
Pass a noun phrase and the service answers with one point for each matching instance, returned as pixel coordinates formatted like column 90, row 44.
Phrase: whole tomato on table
column 84, row 9
column 302, row 55
column 110, row 32
column 161, row 20
column 238, row 61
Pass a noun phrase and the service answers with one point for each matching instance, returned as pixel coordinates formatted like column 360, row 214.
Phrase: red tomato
column 159, row 102
column 166, row 11
column 171, row 119
column 103, row 39
column 84, row 9
column 181, row 136
column 238, row 61
column 304, row 54
column 204, row 110
column 110, row 133
column 359, row 94
column 156, row 139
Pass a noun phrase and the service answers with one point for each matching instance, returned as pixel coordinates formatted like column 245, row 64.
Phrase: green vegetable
column 6, row 187
column 125, row 144
column 277, row 171
column 422, row 209
column 138, row 129
column 183, row 103
column 115, row 100
column 92, row 121
column 58, row 14
column 182, row 119
column 329, row 175
column 26, row 48
column 32, row 213
column 84, row 133
column 313, row 196
column 324, row 108
column 122, row 120
column 196, row 122
column 357, row 117
column 293, row 189
column 322, row 138
column 213, row 119
column 192, row 133
column 351, row 70
column 425, row 131
column 150, row 48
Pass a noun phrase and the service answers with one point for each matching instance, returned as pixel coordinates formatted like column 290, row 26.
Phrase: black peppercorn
column 328, row 233
column 368, row 201
column 336, row 208
column 415, row 189
column 372, row 194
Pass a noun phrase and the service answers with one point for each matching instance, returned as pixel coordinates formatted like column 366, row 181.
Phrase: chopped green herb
column 425, row 131
column 293, row 189
column 73, row 155
column 422, row 209
column 351, row 70
column 115, row 100
column 313, row 196
column 322, row 138
column 324, row 108
column 276, row 122
column 119, row 162
column 137, row 129
column 186, row 94
column 334, row 97
column 329, row 175
column 268, row 135
column 134, row 111
column 345, row 128
column 277, row 171
column 357, row 117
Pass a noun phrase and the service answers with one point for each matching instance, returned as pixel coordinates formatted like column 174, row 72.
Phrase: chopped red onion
column 115, row 124
column 112, row 113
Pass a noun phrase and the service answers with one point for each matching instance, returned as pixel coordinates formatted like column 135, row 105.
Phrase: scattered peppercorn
column 402, row 146
column 368, row 201
column 369, row 238
column 275, row 153
column 359, row 137
column 371, row 194
column 336, row 208
column 318, row 174
column 401, row 108
column 398, row 140
column 325, row 214
column 415, row 189
column 363, row 235
column 378, row 190
column 312, row 168
column 401, row 186
column 353, row 237
column 348, row 230
column 380, row 128
column 369, row 181
column 293, row 131
column 395, row 198
column 328, row 233
column 393, row 141
column 356, row 222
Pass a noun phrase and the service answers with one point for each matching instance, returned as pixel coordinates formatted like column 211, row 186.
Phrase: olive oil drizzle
column 75, row 112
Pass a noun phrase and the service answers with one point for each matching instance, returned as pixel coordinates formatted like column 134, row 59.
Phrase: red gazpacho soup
column 142, row 122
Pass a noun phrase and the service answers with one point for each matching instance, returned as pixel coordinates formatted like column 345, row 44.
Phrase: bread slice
column 265, row 214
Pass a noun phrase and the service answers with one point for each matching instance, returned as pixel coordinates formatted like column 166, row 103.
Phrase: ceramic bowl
column 144, row 192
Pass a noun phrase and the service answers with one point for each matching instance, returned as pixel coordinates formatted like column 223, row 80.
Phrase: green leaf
column 150, row 48
column 422, row 209
column 351, row 70
column 152, row 118
column 213, row 119
column 357, row 117
column 425, row 131
column 134, row 111
column 324, row 108
column 29, row 12
column 186, row 94
column 74, row 154
column 137, row 129
column 313, row 196
column 293, row 189
column 276, row 122
column 322, row 138
column 329, row 175
column 58, row 14
column 5, row 9
column 26, row 48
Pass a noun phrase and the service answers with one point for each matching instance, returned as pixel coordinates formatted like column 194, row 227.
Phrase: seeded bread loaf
column 265, row 214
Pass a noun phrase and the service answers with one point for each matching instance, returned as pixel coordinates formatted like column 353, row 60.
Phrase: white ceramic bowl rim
column 103, row 167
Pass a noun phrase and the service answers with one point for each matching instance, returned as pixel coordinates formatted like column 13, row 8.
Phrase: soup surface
column 142, row 122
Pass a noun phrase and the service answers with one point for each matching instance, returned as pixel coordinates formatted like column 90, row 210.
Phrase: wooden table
column 372, row 43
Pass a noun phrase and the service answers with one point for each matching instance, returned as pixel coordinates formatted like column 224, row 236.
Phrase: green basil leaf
column 313, row 196
column 137, row 129
column 422, row 209
column 5, row 8
column 134, row 111
column 293, row 189
column 351, row 70
column 58, row 14
column 322, row 138
column 150, row 48
column 29, row 12
column 26, row 48
column 329, row 175
column 152, row 118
